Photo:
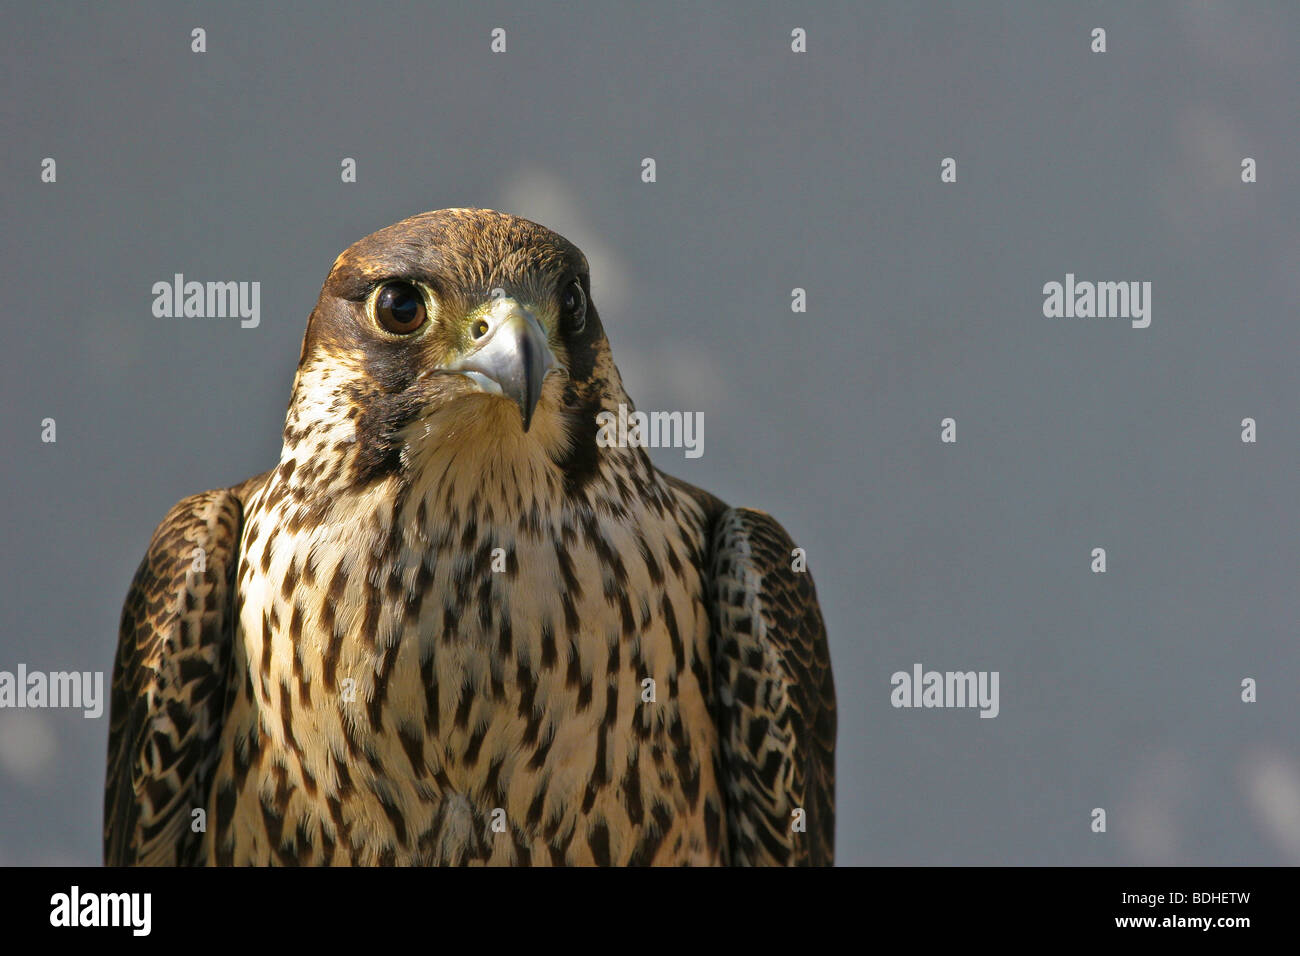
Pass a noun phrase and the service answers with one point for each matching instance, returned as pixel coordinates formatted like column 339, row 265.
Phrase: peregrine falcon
column 450, row 626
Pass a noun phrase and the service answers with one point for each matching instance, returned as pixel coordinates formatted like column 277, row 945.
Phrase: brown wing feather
column 775, row 696
column 169, row 682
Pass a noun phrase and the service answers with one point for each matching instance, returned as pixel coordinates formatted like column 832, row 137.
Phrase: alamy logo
column 55, row 689
column 1104, row 300
column 653, row 430
column 922, row 688
column 102, row 909
column 208, row 300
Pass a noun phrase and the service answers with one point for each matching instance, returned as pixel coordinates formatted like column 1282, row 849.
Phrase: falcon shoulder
column 774, row 698
column 169, row 682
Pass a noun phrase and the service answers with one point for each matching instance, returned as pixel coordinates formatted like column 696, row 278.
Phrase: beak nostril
column 509, row 357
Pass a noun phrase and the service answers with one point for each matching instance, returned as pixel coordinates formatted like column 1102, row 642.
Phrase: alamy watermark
column 651, row 430
column 922, row 688
column 208, row 300
column 1104, row 300
column 79, row 689
column 75, row 908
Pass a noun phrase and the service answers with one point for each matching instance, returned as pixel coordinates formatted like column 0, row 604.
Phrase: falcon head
column 455, row 330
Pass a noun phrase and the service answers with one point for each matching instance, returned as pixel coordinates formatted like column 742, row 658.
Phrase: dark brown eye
column 573, row 307
column 399, row 307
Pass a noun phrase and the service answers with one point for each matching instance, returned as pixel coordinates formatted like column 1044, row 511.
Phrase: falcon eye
column 573, row 307
column 399, row 307
column 480, row 328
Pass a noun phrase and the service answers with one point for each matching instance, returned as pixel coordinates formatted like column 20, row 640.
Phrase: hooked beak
column 510, row 359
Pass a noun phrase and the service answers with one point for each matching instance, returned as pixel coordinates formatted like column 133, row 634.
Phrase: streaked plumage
column 444, row 537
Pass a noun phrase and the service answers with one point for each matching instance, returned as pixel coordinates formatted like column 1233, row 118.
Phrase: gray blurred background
column 775, row 170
